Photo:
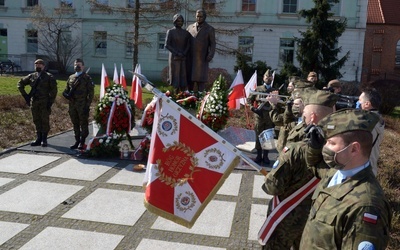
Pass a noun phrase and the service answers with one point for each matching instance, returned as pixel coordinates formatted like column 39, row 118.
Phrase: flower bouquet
column 213, row 110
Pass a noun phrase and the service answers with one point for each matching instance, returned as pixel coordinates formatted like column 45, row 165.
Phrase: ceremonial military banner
column 187, row 164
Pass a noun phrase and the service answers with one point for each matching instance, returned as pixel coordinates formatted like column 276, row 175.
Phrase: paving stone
column 231, row 185
column 109, row 206
column 52, row 238
column 25, row 163
column 146, row 244
column 257, row 218
column 9, row 230
column 257, row 190
column 127, row 176
column 4, row 181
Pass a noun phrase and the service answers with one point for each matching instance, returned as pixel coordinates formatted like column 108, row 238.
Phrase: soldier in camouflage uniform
column 289, row 173
column 42, row 94
column 79, row 92
column 349, row 208
column 262, row 119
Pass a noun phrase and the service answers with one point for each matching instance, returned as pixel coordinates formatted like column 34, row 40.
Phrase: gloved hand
column 27, row 100
column 315, row 136
column 257, row 111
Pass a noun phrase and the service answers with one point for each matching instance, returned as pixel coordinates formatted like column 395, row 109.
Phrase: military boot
column 258, row 159
column 82, row 144
column 44, row 139
column 265, row 157
column 38, row 140
column 76, row 144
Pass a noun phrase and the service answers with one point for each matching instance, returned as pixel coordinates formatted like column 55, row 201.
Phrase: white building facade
column 266, row 31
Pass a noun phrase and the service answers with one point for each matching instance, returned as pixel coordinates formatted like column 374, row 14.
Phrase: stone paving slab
column 109, row 206
column 52, row 238
column 25, row 163
column 35, row 197
column 147, row 244
column 4, row 181
column 9, row 230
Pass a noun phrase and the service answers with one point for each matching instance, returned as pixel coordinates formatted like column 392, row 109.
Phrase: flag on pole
column 250, row 86
column 237, row 93
column 104, row 81
column 122, row 79
column 136, row 89
column 187, row 164
column 115, row 78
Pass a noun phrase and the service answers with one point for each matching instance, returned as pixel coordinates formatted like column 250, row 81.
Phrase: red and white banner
column 237, row 93
column 136, row 89
column 122, row 79
column 250, row 86
column 104, row 81
column 282, row 208
column 187, row 164
column 115, row 78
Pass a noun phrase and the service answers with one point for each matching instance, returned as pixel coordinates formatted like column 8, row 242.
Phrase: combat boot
column 38, row 140
column 82, row 144
column 265, row 157
column 44, row 139
column 75, row 146
column 258, row 159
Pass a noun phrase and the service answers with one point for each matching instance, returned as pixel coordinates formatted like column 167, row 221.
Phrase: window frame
column 67, row 3
column 162, row 52
column 32, row 3
column 100, row 38
column 130, row 3
column 246, row 46
column 129, row 44
column 289, row 5
column 166, row 4
column 2, row 3
column 335, row 8
column 248, row 6
column 285, row 51
column 102, row 2
column 32, row 42
column 209, row 5
column 397, row 54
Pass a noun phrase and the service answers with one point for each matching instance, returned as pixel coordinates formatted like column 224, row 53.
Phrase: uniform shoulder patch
column 370, row 218
column 285, row 149
column 276, row 163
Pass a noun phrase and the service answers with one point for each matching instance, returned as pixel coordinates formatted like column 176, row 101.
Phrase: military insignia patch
column 276, row 163
column 285, row 149
column 371, row 218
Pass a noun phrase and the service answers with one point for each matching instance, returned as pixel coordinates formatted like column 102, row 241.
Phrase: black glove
column 257, row 111
column 27, row 100
column 315, row 136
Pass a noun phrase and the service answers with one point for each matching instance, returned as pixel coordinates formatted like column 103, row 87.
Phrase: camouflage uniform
column 289, row 174
column 349, row 214
column 262, row 120
column 79, row 104
column 42, row 100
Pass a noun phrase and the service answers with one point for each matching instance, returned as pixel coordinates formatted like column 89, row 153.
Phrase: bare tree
column 56, row 38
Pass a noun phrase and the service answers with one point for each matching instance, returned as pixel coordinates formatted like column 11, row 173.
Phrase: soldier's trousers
column 41, row 115
column 80, row 119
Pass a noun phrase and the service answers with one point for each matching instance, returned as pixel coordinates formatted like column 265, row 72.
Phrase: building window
column 335, row 7
column 31, row 41
column 131, row 3
column 398, row 53
column 286, row 51
column 102, row 2
column 246, row 44
column 129, row 44
column 100, row 43
column 249, row 5
column 209, row 4
column 1, row 2
column 32, row 3
column 66, row 4
column 166, row 4
column 289, row 6
column 162, row 52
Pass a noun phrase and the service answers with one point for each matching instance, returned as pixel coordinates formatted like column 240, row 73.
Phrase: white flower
column 101, row 140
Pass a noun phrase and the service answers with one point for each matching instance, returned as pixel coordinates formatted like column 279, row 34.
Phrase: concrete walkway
column 50, row 198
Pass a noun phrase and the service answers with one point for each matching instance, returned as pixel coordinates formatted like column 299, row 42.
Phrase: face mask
column 38, row 69
column 77, row 68
column 330, row 157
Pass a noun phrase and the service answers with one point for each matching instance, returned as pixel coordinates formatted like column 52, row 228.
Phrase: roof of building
column 383, row 12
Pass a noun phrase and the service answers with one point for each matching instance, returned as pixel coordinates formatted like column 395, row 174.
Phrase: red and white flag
column 122, row 79
column 187, row 164
column 237, row 93
column 136, row 90
column 250, row 86
column 115, row 78
column 104, row 81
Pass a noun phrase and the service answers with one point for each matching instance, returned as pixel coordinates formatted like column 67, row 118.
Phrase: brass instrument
column 262, row 96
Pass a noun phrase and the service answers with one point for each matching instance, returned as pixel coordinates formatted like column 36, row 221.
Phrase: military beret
column 346, row 120
column 39, row 61
column 319, row 97
column 334, row 84
column 268, row 73
column 312, row 73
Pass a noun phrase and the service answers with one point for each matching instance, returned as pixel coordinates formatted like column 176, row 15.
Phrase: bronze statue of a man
column 177, row 41
column 202, row 50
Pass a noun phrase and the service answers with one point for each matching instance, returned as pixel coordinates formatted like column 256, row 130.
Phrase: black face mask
column 38, row 69
column 77, row 68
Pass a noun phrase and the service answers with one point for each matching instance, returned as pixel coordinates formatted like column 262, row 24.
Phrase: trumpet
column 262, row 96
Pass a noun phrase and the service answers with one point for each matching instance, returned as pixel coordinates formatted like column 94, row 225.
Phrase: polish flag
column 104, row 81
column 250, row 86
column 136, row 90
column 115, row 78
column 122, row 79
column 237, row 93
